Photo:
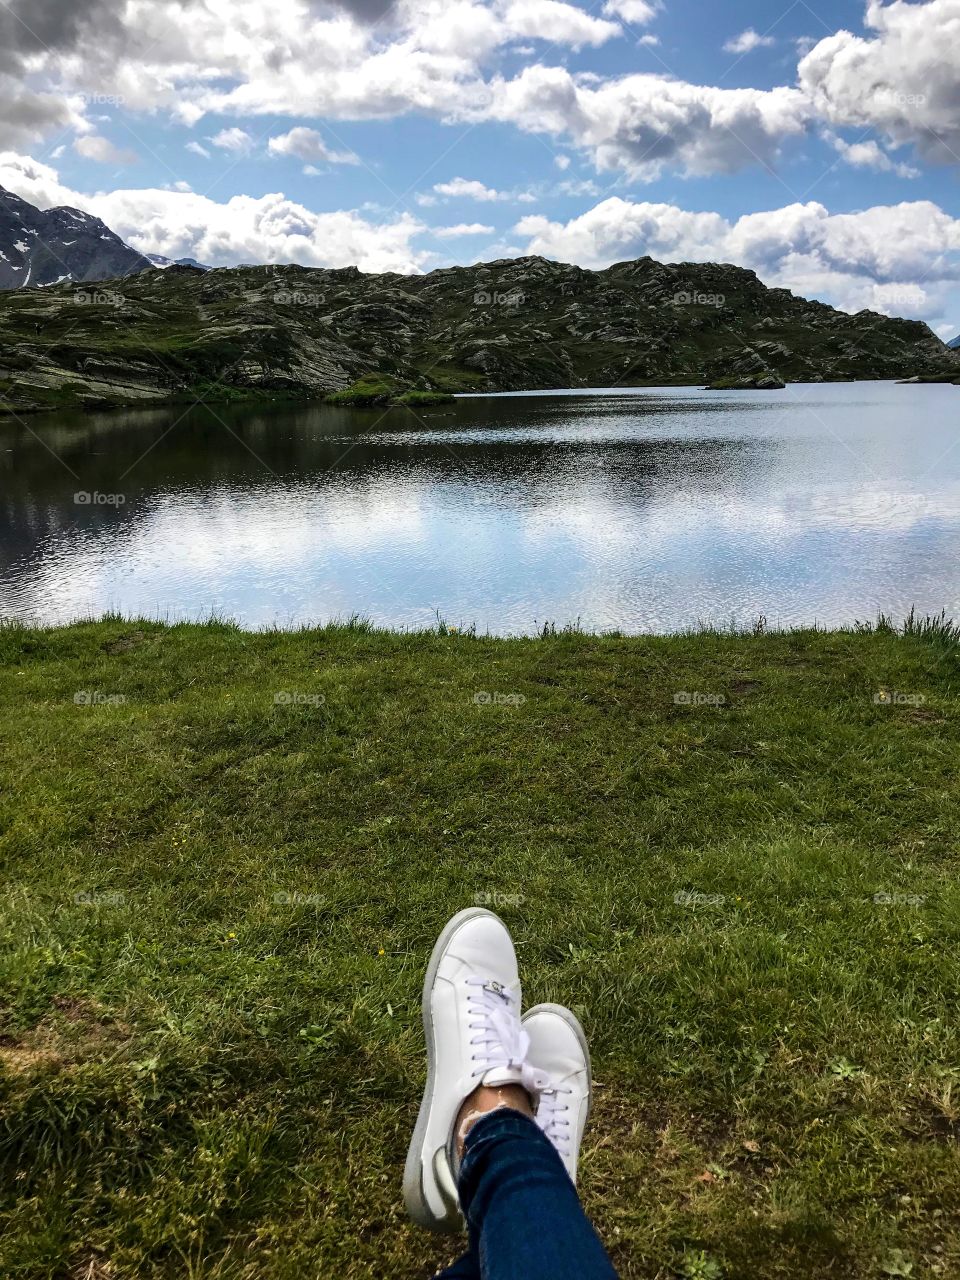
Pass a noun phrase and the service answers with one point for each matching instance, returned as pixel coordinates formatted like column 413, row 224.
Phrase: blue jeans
column 522, row 1211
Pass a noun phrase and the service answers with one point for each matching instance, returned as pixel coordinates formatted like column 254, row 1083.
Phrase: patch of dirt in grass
column 21, row 1058
column 921, row 715
column 743, row 686
column 83, row 1032
column 928, row 1122
column 123, row 644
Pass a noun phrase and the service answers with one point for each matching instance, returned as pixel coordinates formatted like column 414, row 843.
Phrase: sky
column 817, row 144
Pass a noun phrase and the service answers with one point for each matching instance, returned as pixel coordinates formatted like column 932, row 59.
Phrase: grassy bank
column 226, row 860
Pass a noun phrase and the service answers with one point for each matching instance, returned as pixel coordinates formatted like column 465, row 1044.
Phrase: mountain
column 158, row 260
column 48, row 246
column 517, row 324
column 955, row 343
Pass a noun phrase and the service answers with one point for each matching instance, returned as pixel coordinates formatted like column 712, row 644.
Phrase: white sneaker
column 471, row 1024
column 559, row 1047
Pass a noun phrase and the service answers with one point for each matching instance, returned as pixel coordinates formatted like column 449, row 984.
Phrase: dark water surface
column 640, row 510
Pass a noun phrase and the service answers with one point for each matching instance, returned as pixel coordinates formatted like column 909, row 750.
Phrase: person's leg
column 522, row 1210
column 465, row 1268
column 477, row 1148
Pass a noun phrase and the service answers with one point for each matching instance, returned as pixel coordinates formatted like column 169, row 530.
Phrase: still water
column 647, row 510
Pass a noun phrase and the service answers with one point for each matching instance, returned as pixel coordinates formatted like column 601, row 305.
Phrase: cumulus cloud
column 33, row 27
column 903, row 81
column 644, row 123
column 26, row 116
column 747, row 41
column 198, row 150
column 270, row 228
column 564, row 23
column 372, row 59
column 467, row 189
column 236, row 140
column 869, row 155
column 309, row 145
column 463, row 229
column 366, row 10
column 898, row 259
column 638, row 11
column 92, row 147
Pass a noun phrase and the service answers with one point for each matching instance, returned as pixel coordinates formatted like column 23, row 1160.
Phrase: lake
column 640, row 510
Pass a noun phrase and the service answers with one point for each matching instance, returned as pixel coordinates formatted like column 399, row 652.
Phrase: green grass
column 217, row 909
column 420, row 399
column 366, row 392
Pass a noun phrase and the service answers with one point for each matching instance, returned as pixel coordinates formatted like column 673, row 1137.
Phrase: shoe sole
column 413, row 1194
column 573, row 1022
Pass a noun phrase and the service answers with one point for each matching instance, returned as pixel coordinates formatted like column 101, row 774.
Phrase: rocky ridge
column 515, row 324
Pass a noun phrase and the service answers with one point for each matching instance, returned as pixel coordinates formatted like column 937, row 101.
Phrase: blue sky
column 818, row 145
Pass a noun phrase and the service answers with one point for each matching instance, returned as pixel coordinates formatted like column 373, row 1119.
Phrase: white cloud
column 650, row 41
column 904, row 81
column 236, row 140
column 269, row 228
column 463, row 229
column 467, row 189
column 562, row 162
column 564, row 23
column 747, row 41
column 429, row 57
column 638, row 11
column 645, row 123
column 309, row 145
column 101, row 150
column 901, row 259
column 198, row 150
column 869, row 155
column 433, row 57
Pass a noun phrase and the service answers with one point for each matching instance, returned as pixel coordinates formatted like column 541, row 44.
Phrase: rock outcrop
column 515, row 324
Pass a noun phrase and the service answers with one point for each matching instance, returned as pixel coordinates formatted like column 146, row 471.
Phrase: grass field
column 226, row 857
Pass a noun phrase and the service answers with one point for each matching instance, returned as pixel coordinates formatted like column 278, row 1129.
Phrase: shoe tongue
column 502, row 1075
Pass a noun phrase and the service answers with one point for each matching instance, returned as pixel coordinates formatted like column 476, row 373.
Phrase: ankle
column 487, row 1098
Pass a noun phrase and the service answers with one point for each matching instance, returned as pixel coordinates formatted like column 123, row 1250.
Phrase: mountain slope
column 158, row 260
column 510, row 325
column 955, row 344
column 44, row 246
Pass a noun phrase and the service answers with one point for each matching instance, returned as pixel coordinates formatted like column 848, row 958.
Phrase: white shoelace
column 500, row 1041
column 553, row 1117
